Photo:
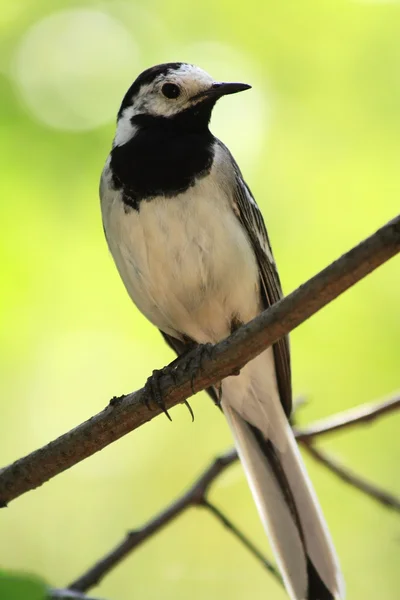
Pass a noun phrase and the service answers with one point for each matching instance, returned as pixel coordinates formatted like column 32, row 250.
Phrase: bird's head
column 177, row 94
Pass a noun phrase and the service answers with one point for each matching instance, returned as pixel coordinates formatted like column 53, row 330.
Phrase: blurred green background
column 318, row 141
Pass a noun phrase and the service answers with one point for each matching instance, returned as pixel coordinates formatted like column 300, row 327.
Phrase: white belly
column 185, row 261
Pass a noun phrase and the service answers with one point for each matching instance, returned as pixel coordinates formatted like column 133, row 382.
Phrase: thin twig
column 243, row 539
column 368, row 488
column 365, row 413
column 55, row 594
column 197, row 494
column 129, row 412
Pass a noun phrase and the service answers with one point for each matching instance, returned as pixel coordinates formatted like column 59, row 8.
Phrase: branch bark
column 129, row 412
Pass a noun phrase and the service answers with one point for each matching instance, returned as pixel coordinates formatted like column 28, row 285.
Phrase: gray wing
column 249, row 214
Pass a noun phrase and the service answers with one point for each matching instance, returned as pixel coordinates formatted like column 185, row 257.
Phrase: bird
column 192, row 250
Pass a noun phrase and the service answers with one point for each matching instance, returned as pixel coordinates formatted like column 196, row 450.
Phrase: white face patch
column 150, row 100
column 125, row 129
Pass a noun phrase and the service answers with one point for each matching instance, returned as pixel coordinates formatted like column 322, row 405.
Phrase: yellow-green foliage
column 318, row 139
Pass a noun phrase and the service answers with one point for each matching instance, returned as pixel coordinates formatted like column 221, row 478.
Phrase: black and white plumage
column 191, row 247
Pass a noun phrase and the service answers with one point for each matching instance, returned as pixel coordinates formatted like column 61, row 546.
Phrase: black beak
column 217, row 90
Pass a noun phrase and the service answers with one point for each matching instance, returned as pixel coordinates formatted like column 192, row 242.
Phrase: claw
column 166, row 413
column 186, row 403
column 180, row 365
column 219, row 393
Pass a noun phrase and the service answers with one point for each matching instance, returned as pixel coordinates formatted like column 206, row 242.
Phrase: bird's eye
column 170, row 90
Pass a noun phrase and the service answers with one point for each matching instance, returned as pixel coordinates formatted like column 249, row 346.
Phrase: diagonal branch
column 353, row 479
column 359, row 415
column 129, row 412
column 243, row 539
column 195, row 496
column 56, row 594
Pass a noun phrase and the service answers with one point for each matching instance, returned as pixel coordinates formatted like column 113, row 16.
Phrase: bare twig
column 368, row 488
column 129, row 412
column 197, row 494
column 359, row 415
column 243, row 539
column 55, row 594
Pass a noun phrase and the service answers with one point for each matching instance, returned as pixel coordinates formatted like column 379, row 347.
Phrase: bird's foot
column 192, row 360
column 152, row 390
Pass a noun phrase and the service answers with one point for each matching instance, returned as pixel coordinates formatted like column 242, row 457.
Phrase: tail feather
column 289, row 509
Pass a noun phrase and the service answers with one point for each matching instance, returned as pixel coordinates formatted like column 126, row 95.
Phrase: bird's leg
column 235, row 324
column 192, row 358
column 152, row 390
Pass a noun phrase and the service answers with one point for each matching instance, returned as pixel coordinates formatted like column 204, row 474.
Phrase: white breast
column 185, row 261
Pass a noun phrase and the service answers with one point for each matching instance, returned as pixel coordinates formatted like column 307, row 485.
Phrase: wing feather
column 247, row 211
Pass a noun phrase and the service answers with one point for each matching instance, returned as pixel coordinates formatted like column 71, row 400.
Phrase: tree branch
column 364, row 486
column 197, row 495
column 243, row 539
column 129, row 412
column 359, row 415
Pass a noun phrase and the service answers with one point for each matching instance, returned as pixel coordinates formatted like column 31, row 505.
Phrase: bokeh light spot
column 72, row 67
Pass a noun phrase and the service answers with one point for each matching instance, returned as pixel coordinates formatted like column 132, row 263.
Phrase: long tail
column 282, row 490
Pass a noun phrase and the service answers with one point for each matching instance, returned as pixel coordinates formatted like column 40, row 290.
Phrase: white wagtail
column 191, row 247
